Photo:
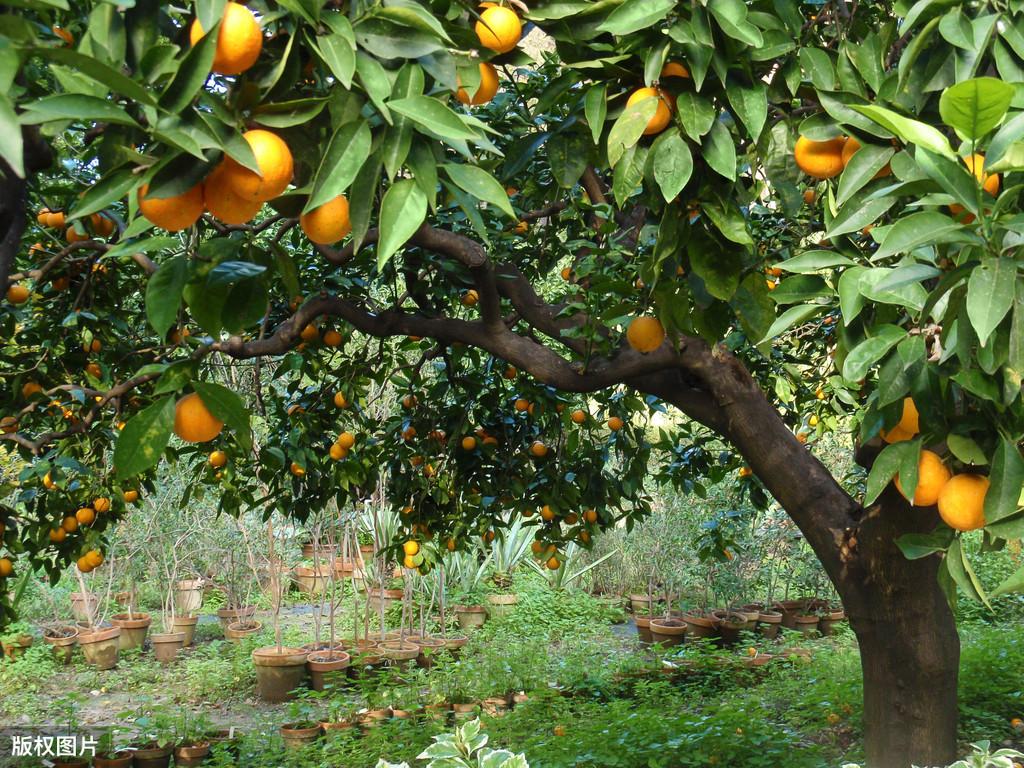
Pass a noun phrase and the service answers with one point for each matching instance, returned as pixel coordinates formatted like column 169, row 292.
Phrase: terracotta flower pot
column 374, row 597
column 470, row 616
column 278, row 674
column 187, row 626
column 299, row 735
column 806, row 624
column 311, row 551
column 229, row 615
column 237, row 631
column 789, row 610
column 16, row 646
column 371, row 718
column 464, row 711
column 429, row 647
column 701, row 625
column 668, row 631
column 501, row 605
column 750, row 613
column 438, row 711
column 133, row 629
column 337, row 725
column 152, row 755
column 193, row 753
column 768, row 624
column 311, row 581
column 731, row 624
column 188, row 596
column 495, row 706
column 643, row 627
column 166, row 645
column 323, row 645
column 640, row 603
column 82, row 607
column 829, row 620
column 365, row 657
column 99, row 646
column 62, row 640
column 326, row 668
column 453, row 643
column 399, row 653
column 120, row 759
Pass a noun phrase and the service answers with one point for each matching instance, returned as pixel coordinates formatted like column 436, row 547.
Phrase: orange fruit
column 411, row 547
column 297, row 469
column 274, row 160
column 485, row 90
column 17, row 294
column 340, row 401
column 69, row 524
column 499, row 29
column 63, row 34
column 48, row 483
column 101, row 504
column 193, row 421
column 932, row 476
column 469, row 443
column 450, row 545
column 332, row 338
column 674, row 69
column 409, row 401
column 662, row 115
column 579, row 416
column 101, row 225
column 57, row 535
column 962, row 502
column 590, row 516
column 615, row 423
column 989, row 182
column 488, row 537
column 8, row 425
column 310, row 333
column 94, row 370
column 554, row 564
column 238, row 43
column 85, row 516
column 409, row 433
column 850, row 148
column 337, row 452
column 566, row 274
column 346, row 440
column 645, row 334
column 470, row 298
column 130, row 496
column 172, row 213
column 94, row 557
column 217, row 459
column 547, row 513
column 908, row 425
column 93, row 346
column 6, row 567
column 220, row 199
column 84, row 565
column 329, row 223
column 538, row 449
column 820, row 159
column 521, row 227
column 810, row 196
column 510, row 372
column 521, row 404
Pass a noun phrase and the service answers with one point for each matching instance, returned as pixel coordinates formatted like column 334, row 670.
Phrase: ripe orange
column 511, row 372
column 989, row 182
column 411, row 547
column 238, row 43
column 220, row 199
column 572, row 518
column 340, row 401
column 409, row 401
column 469, row 443
column 329, row 223
column 130, row 496
column 310, row 333
column 6, row 567
column 662, row 115
column 932, row 476
column 83, row 564
column 337, row 452
column 810, row 196
column 850, row 148
column 962, row 502
column 485, row 90
column 48, row 483
column 615, row 423
column 57, row 535
column 332, row 338
column 409, row 433
column 63, row 34
column 274, row 160
column 488, row 537
column 590, row 516
column 554, row 564
column 346, row 440
column 17, row 294
column 521, row 227
column 645, row 334
column 101, row 225
column 820, row 159
column 579, row 416
column 101, row 504
column 8, row 425
column 193, row 421
column 908, row 425
column 69, row 524
column 94, row 370
column 521, row 404
column 297, row 469
column 172, row 213
column 450, row 545
column 409, row 562
column 470, row 298
column 499, row 29
column 538, row 449
column 94, row 557
column 547, row 513
column 85, row 516
column 674, row 69
column 217, row 459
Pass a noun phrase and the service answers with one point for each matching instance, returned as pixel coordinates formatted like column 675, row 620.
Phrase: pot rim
column 123, row 621
column 268, row 656
column 470, row 609
column 333, row 660
column 98, row 635
column 241, row 628
column 167, row 637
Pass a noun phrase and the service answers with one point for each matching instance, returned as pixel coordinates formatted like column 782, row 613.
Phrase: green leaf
column 191, row 73
column 629, row 127
column 851, row 300
column 858, row 213
column 865, row 163
column 974, row 107
column 1006, row 480
column 719, row 150
column 731, row 16
column 435, row 117
column 886, row 465
column 917, row 545
column 792, row 317
column 696, row 113
column 11, row 142
column 98, row 71
column 915, row 230
column 966, row 450
column 347, row 151
column 111, row 188
column 402, row 210
column 963, row 574
column 673, row 164
column 163, row 294
column 1013, row 583
column 990, row 290
column 338, row 50
column 141, row 443
column 860, row 359
column 364, row 198
column 229, row 408
column 230, row 272
column 910, row 131
column 176, row 376
column 750, row 103
column 375, row 82
column 634, row 15
column 595, row 107
column 729, row 220
column 952, row 176
column 568, row 155
column 481, row 185
column 75, row 107
column 813, row 261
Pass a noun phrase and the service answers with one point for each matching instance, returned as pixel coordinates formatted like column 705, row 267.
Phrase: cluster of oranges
column 663, row 112
column 960, row 498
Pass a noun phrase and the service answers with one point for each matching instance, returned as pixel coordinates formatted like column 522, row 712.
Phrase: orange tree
column 774, row 217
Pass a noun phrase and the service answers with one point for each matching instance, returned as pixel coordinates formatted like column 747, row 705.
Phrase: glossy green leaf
column 229, row 408
column 481, row 185
column 347, row 151
column 863, row 356
column 141, row 443
column 990, row 292
column 402, row 211
column 974, row 107
column 673, row 164
column 163, row 294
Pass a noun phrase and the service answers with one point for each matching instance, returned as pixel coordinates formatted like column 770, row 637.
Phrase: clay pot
column 133, row 629
column 789, row 610
column 828, row 622
column 375, row 597
column 236, row 631
column 323, row 645
column 731, row 624
column 99, row 646
column 279, row 673
column 321, row 552
column 194, row 753
column 429, row 647
column 640, row 603
column 82, row 607
column 166, row 645
column 399, row 653
column 768, row 624
column 365, row 657
column 311, row 581
column 750, row 613
column 373, row 717
column 495, row 706
column 367, row 551
column 463, row 711
column 336, row 725
column 187, row 626
column 62, row 640
column 453, row 643
column 120, row 759
column 668, row 631
column 700, row 626
column 228, row 616
column 299, row 735
column 326, row 668
column 643, row 628
column 188, row 596
column 806, row 624
column 152, row 756
column 16, row 646
column 470, row 616
column 758, row 661
column 501, row 605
